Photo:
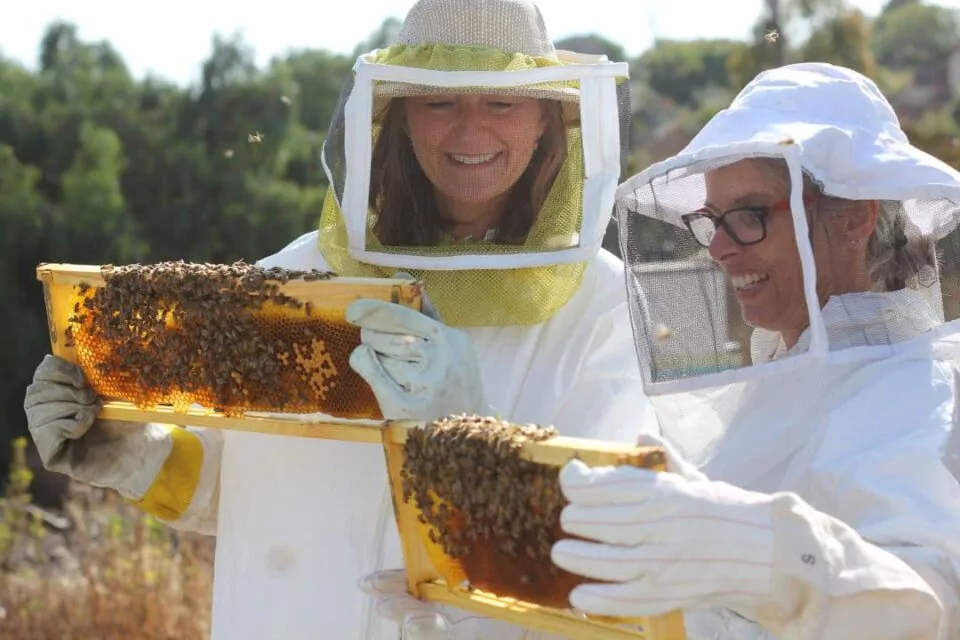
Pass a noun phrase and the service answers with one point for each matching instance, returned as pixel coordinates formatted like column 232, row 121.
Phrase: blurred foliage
column 99, row 167
column 107, row 571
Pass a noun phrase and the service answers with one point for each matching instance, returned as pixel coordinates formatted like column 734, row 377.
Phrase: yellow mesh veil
column 480, row 297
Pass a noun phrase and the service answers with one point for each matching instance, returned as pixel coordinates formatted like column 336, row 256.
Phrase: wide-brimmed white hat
column 475, row 35
column 848, row 135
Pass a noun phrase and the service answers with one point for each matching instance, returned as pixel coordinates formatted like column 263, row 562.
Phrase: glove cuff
column 799, row 563
column 203, row 510
column 171, row 489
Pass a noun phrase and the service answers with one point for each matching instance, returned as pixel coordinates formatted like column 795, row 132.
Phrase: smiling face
column 767, row 276
column 473, row 148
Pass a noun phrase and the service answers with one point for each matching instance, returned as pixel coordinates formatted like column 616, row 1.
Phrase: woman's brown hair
column 403, row 197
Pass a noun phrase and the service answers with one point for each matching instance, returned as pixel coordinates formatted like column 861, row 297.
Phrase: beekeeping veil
column 390, row 162
column 824, row 149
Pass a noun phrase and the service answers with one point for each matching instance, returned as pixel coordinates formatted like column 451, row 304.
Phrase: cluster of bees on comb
column 483, row 501
column 492, row 511
column 224, row 336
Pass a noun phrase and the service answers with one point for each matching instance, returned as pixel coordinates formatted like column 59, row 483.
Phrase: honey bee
column 475, row 465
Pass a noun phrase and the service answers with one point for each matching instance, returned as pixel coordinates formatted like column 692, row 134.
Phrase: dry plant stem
column 114, row 574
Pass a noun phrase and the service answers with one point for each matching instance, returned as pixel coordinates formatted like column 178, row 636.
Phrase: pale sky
column 172, row 38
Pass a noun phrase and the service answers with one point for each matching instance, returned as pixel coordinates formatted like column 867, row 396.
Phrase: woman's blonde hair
column 403, row 197
column 892, row 259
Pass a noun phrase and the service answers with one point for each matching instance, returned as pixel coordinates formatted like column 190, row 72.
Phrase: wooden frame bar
column 291, row 425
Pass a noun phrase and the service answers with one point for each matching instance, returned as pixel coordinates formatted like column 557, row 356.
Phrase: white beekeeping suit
column 545, row 315
column 826, row 504
column 472, row 105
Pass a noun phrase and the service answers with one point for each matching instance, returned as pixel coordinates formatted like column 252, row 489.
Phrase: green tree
column 317, row 78
column 24, row 216
column 92, row 204
column 680, row 70
column 771, row 44
column 383, row 36
column 912, row 34
column 843, row 40
column 593, row 44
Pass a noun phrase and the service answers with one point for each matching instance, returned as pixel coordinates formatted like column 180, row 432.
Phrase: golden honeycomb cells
column 493, row 516
column 450, row 569
column 232, row 338
column 477, row 503
column 486, row 512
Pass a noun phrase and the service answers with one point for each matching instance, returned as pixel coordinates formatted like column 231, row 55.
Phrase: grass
column 112, row 573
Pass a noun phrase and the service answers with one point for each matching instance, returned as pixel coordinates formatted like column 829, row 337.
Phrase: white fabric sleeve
column 607, row 400
column 874, row 551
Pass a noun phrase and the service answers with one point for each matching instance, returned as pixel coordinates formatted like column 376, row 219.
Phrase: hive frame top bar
column 286, row 425
column 336, row 291
column 70, row 274
column 555, row 451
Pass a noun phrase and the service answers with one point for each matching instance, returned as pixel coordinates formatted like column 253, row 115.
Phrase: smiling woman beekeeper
column 824, row 504
column 470, row 154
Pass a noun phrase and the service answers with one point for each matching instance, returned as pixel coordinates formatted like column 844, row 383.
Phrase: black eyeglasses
column 744, row 225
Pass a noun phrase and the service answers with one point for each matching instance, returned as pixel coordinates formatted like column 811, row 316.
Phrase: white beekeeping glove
column 418, row 620
column 62, row 410
column 417, row 367
column 662, row 541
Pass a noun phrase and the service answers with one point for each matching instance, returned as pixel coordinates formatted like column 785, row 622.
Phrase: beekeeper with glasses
column 813, row 489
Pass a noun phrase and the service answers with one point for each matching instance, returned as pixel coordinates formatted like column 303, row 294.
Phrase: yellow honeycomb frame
column 426, row 581
column 61, row 287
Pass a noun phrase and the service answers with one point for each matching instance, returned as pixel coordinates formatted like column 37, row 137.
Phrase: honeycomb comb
column 478, row 504
column 235, row 339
